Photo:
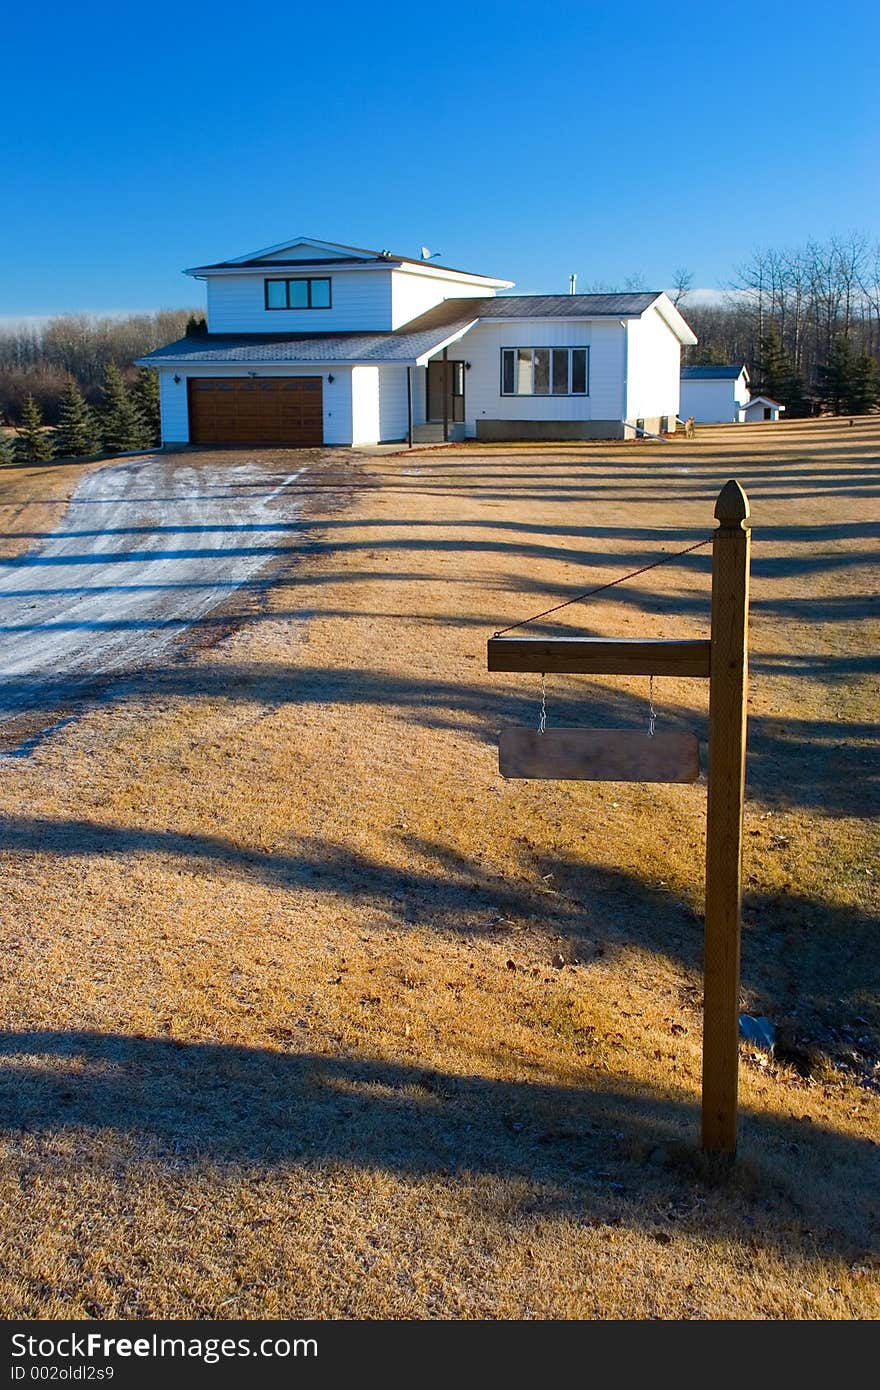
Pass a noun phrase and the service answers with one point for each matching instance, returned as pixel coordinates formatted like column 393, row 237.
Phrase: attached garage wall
column 336, row 399
column 365, row 405
column 393, row 410
column 284, row 411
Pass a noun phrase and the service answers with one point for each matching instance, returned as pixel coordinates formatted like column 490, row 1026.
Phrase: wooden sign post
column 619, row 755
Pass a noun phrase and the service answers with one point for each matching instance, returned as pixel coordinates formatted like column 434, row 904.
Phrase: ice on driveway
column 146, row 548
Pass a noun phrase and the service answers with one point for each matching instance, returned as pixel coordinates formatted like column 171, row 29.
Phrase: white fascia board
column 673, row 319
column 424, row 358
column 327, row 365
column 443, row 273
column 202, row 272
column 622, row 319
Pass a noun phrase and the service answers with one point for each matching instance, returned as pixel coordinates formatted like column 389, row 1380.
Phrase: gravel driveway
column 146, row 548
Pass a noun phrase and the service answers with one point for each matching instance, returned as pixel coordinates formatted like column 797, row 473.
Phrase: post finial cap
column 732, row 507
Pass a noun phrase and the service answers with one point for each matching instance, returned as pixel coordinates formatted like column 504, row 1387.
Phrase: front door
column 446, row 386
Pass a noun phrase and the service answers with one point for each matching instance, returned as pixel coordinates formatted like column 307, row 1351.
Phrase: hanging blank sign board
column 599, row 755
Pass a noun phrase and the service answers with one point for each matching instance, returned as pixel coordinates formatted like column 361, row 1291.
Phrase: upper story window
column 544, row 371
column 298, row 294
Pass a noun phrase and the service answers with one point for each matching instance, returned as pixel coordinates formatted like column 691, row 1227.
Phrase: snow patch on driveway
column 145, row 550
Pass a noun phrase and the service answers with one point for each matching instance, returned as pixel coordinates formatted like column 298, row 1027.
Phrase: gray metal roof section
column 729, row 372
column 569, row 306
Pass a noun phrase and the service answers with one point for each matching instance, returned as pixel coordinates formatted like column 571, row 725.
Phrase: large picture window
column 544, row 371
column 298, row 294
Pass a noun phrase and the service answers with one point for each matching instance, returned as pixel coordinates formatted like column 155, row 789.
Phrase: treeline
column 805, row 321
column 38, row 360
column 69, row 389
column 125, row 419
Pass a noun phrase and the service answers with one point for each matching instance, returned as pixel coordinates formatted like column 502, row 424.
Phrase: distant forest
column 805, row 321
column 38, row 360
column 69, row 387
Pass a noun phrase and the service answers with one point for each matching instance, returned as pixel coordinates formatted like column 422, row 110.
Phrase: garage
column 256, row 410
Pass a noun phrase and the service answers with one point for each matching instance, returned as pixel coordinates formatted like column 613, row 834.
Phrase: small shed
column 762, row 408
column 715, row 395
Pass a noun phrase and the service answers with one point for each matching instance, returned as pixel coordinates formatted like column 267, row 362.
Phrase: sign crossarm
column 601, row 656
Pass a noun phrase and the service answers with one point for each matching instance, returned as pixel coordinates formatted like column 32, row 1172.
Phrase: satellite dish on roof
column 429, row 255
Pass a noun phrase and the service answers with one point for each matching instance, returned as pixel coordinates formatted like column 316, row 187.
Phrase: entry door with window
column 446, row 381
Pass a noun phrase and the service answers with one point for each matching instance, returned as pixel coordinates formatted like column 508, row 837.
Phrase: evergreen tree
column 796, row 401
column 773, row 370
column 708, row 357
column 76, row 433
column 839, row 377
column 122, row 428
column 7, row 450
column 865, row 389
column 196, row 326
column 33, row 444
column 145, row 394
column 777, row 377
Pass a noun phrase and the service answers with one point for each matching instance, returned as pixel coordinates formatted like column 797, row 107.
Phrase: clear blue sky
column 526, row 140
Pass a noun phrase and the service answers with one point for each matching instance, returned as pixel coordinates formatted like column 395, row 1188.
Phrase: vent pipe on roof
column 572, row 284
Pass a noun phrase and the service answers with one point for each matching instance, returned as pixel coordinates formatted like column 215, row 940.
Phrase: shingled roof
column 421, row 335
column 569, row 306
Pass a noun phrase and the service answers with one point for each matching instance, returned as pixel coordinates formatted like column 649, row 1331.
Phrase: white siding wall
column 756, row 412
column 364, row 405
column 653, row 369
column 413, row 293
column 393, row 411
column 482, row 348
column 420, row 391
column 337, row 398
column 361, row 301
column 173, row 405
column 710, row 402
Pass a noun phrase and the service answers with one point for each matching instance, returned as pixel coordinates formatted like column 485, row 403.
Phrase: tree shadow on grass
column 807, row 963
column 822, row 763
column 600, row 1149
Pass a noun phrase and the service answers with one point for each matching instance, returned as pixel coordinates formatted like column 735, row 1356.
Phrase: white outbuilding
column 715, row 395
column 763, row 408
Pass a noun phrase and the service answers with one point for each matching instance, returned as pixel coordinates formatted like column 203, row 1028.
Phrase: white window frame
column 551, row 348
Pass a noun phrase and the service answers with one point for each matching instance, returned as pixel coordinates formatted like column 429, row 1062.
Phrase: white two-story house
column 314, row 343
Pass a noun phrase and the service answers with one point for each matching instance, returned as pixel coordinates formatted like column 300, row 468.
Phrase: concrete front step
column 433, row 433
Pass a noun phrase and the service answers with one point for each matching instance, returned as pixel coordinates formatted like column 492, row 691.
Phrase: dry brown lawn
column 309, row 1014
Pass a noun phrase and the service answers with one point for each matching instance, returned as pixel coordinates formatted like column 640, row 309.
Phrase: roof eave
column 674, row 320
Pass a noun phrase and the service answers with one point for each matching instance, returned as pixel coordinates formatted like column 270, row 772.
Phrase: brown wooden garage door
column 256, row 410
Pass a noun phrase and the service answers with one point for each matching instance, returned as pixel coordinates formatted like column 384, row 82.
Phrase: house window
column 544, row 371
column 298, row 294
